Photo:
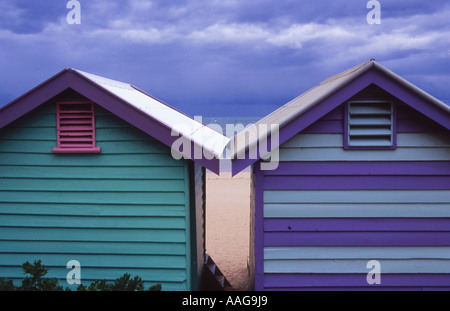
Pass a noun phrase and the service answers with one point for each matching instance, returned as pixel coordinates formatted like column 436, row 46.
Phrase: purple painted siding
column 356, row 281
column 356, row 225
column 357, row 182
column 382, row 232
column 441, row 168
column 355, row 238
column 258, row 243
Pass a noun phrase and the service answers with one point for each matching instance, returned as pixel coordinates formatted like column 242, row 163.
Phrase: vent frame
column 369, row 124
column 75, row 126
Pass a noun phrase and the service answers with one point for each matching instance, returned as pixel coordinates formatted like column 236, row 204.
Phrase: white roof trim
column 195, row 131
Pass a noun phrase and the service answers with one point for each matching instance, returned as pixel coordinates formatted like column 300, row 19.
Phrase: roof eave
column 412, row 87
column 216, row 154
column 440, row 117
column 290, row 117
column 64, row 80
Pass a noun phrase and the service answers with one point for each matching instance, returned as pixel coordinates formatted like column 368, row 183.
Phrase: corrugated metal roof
column 309, row 99
column 190, row 128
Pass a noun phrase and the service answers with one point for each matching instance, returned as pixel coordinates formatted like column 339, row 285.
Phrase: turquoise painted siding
column 125, row 210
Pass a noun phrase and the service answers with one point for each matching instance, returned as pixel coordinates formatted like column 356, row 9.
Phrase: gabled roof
column 307, row 108
column 141, row 110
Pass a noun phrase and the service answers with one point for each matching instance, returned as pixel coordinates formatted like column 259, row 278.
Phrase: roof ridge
column 347, row 72
column 341, row 75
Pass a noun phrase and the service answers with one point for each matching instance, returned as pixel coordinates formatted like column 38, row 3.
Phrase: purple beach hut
column 359, row 197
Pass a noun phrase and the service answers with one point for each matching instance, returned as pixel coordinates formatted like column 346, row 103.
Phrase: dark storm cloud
column 207, row 56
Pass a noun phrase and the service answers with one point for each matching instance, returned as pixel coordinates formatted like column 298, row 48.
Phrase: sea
column 220, row 124
column 223, row 121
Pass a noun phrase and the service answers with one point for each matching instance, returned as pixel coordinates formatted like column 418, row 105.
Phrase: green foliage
column 36, row 282
column 7, row 285
column 124, row 283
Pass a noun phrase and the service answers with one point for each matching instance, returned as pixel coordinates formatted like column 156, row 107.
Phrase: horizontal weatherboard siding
column 369, row 168
column 364, row 238
column 434, row 140
column 357, row 210
column 117, row 210
column 110, row 260
column 57, row 185
column 336, row 281
column 355, row 266
column 297, row 267
column 91, row 197
column 93, row 235
column 328, row 147
column 116, row 222
column 93, row 248
column 382, row 252
column 171, row 279
column 408, row 121
column 124, row 172
column 355, row 196
column 124, row 210
column 358, row 182
column 103, row 160
column 327, row 212
column 338, row 154
column 369, row 224
column 112, row 148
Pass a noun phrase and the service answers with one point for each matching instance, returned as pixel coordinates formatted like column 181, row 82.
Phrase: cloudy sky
column 222, row 57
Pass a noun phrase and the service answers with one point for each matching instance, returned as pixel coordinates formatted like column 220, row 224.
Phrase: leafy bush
column 124, row 283
column 36, row 282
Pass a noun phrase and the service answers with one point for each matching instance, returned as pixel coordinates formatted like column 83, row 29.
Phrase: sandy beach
column 227, row 225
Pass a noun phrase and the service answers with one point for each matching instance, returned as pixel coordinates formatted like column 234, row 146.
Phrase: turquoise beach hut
column 87, row 173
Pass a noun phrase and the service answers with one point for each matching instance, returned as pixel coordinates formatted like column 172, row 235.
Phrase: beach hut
column 354, row 193
column 87, row 174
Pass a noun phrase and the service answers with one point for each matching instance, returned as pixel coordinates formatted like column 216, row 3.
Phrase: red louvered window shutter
column 75, row 128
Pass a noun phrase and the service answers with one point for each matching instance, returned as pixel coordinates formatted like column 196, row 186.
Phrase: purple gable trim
column 34, row 98
column 133, row 116
column 341, row 96
column 259, row 228
column 412, row 99
column 310, row 116
column 71, row 79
